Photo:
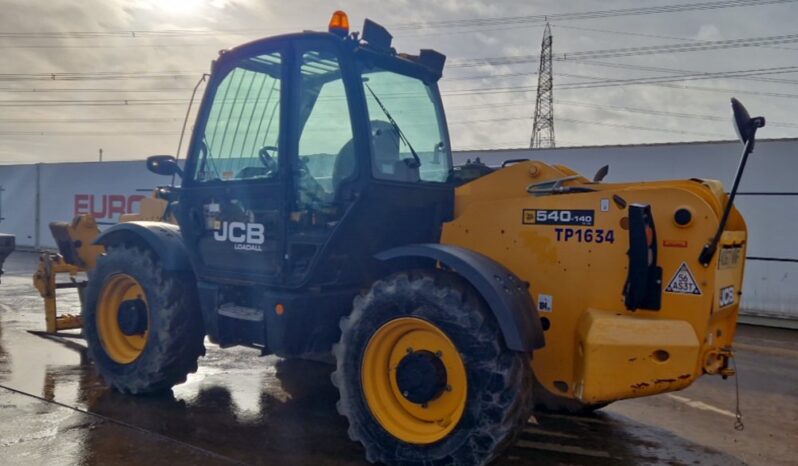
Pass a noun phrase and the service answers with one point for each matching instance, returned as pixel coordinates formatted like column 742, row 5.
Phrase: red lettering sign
column 106, row 206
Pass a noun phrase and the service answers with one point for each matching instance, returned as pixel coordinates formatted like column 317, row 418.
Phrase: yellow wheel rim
column 120, row 347
column 412, row 422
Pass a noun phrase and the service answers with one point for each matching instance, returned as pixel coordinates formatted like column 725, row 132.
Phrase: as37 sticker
column 559, row 217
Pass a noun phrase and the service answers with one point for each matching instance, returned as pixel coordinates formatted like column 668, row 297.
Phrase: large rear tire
column 429, row 326
column 142, row 323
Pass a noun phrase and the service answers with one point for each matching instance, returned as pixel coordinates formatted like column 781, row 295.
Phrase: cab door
column 232, row 204
column 326, row 170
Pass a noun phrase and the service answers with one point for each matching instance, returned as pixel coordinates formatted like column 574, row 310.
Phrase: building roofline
column 605, row 146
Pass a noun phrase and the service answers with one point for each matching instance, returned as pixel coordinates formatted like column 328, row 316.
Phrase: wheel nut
column 438, row 354
column 409, row 349
column 448, row 388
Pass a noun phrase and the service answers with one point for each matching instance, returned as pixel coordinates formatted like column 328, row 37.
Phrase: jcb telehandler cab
column 319, row 210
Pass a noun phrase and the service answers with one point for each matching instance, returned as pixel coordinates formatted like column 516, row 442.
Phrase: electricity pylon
column 543, row 125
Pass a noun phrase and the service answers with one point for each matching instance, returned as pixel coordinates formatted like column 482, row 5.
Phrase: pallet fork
column 77, row 254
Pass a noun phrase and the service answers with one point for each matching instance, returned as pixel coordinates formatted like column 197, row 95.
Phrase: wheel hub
column 132, row 317
column 121, row 318
column 421, row 377
column 422, row 395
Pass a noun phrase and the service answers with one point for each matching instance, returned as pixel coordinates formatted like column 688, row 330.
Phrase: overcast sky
column 488, row 105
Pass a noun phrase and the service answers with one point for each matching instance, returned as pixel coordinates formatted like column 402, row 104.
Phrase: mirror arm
column 709, row 249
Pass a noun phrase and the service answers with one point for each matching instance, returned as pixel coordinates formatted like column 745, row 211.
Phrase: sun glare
column 179, row 7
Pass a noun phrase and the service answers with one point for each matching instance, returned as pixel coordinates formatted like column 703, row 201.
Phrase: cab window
column 241, row 135
column 407, row 135
column 326, row 150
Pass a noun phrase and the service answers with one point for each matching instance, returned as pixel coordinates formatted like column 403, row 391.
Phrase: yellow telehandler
column 318, row 210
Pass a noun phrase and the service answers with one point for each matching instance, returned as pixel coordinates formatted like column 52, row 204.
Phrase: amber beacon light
column 339, row 24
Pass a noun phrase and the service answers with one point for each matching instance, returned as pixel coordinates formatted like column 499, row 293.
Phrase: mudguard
column 506, row 295
column 163, row 238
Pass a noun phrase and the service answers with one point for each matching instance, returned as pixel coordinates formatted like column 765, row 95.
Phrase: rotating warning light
column 339, row 24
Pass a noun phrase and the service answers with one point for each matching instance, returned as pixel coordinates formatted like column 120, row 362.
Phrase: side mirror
column 744, row 125
column 164, row 165
column 746, row 130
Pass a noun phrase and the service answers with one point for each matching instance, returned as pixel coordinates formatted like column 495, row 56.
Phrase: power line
column 459, row 23
column 632, row 51
column 642, row 34
column 723, row 90
column 682, row 77
column 126, row 33
column 612, row 82
column 90, row 120
column 596, row 83
column 89, row 133
column 109, row 46
column 523, row 103
column 99, row 75
column 78, row 89
column 90, row 103
column 680, row 71
column 595, row 14
column 654, row 112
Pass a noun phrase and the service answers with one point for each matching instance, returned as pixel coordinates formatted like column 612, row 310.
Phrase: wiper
column 395, row 127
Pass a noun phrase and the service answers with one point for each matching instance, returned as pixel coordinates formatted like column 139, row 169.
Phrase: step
column 235, row 311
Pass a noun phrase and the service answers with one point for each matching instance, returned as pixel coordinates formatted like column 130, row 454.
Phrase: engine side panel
column 572, row 248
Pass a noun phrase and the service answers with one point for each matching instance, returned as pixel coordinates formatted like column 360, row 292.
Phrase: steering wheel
column 266, row 158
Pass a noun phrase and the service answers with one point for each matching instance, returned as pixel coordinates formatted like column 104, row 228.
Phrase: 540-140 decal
column 570, row 217
column 579, row 217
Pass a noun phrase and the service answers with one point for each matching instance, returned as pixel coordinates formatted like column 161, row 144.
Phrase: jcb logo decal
column 244, row 236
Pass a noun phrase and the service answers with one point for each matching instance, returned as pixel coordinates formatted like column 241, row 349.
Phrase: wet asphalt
column 240, row 408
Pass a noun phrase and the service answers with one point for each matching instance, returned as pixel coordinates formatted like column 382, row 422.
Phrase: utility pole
column 543, row 124
column 101, row 155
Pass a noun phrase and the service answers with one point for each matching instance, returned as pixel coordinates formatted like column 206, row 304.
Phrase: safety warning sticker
column 545, row 303
column 683, row 282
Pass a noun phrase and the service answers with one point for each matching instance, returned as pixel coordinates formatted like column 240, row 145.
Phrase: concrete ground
column 240, row 408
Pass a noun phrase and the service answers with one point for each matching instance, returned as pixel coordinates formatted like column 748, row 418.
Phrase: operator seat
column 386, row 162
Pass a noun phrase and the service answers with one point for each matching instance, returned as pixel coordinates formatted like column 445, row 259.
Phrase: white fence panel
column 18, row 202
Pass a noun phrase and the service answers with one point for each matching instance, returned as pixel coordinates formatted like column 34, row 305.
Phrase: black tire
column 548, row 401
column 499, row 380
column 176, row 333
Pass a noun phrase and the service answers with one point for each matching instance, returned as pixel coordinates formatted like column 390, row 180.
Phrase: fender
column 163, row 238
column 506, row 295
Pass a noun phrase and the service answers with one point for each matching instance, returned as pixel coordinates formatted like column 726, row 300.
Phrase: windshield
column 241, row 135
column 408, row 140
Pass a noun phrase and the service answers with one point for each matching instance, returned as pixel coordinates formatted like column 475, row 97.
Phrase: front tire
column 402, row 332
column 142, row 323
